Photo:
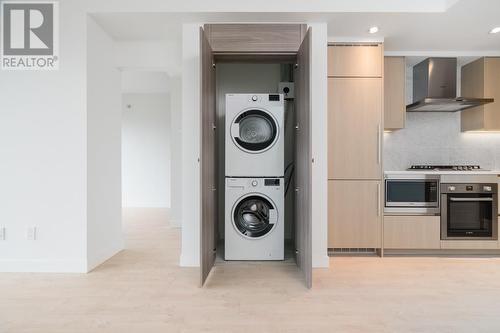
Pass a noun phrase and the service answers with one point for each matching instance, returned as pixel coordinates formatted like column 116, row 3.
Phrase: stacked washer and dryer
column 254, row 169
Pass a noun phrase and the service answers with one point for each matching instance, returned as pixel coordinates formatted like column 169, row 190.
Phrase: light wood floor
column 143, row 290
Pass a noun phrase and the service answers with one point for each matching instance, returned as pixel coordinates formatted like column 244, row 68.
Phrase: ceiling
column 462, row 27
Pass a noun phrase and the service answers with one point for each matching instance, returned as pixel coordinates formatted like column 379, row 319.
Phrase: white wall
column 144, row 82
column 319, row 98
column 190, row 251
column 43, row 158
column 146, row 150
column 176, row 186
column 148, row 55
column 104, row 228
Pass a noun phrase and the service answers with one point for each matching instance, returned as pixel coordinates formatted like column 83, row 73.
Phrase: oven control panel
column 469, row 188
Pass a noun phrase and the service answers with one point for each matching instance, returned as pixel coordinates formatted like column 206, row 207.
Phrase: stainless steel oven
column 412, row 194
column 469, row 211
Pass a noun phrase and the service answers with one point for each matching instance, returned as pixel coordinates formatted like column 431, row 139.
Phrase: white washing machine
column 254, row 135
column 254, row 219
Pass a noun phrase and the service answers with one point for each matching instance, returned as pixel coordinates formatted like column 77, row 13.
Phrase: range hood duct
column 435, row 88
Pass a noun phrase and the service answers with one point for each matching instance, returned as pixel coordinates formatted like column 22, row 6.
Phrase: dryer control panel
column 272, row 182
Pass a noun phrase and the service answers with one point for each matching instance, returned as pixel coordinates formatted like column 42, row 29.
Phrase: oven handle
column 471, row 199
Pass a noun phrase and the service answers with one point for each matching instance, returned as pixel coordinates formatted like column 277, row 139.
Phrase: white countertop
column 436, row 172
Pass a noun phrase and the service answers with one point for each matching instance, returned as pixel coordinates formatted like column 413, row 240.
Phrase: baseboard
column 188, row 261
column 321, row 261
column 43, row 266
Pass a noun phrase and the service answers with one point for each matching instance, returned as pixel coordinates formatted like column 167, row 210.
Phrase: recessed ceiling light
column 373, row 30
column 495, row 30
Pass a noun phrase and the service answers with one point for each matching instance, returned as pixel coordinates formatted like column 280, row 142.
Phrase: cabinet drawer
column 412, row 232
column 354, row 214
column 355, row 60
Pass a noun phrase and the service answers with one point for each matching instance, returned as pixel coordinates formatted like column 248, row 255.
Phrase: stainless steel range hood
column 435, row 88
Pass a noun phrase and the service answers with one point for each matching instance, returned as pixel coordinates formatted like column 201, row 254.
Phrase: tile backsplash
column 435, row 138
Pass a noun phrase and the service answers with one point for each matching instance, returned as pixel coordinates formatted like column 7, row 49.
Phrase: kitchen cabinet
column 481, row 79
column 354, row 128
column 469, row 245
column 355, row 60
column 252, row 38
column 394, row 93
column 354, row 214
column 412, row 232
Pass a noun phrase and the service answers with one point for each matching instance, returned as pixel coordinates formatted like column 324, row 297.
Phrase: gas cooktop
column 447, row 167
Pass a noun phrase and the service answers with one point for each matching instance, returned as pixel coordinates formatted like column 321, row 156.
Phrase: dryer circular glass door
column 254, row 131
column 254, row 216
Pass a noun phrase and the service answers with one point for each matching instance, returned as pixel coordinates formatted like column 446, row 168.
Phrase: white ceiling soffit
column 463, row 28
column 276, row 6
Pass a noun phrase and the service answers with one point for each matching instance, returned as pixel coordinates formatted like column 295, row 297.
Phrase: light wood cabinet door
column 255, row 38
column 208, row 161
column 412, row 232
column 354, row 214
column 354, row 128
column 394, row 93
column 481, row 79
column 303, row 161
column 364, row 60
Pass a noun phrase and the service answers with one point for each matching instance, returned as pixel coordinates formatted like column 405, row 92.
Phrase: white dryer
column 254, row 219
column 254, row 135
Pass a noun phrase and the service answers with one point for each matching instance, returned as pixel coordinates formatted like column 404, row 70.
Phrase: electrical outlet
column 287, row 89
column 2, row 233
column 31, row 233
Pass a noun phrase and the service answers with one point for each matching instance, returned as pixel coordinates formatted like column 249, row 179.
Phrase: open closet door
column 208, row 161
column 303, row 161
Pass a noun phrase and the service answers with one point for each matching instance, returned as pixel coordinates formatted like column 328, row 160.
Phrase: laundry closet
column 255, row 162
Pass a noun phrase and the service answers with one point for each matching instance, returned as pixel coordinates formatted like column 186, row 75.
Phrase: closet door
column 208, row 161
column 303, row 161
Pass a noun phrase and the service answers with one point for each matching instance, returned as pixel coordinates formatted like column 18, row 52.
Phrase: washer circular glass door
column 254, row 216
column 254, row 130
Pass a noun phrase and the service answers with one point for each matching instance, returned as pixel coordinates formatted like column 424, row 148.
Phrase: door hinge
column 296, row 251
column 297, row 127
column 214, row 127
column 213, row 65
column 296, row 189
column 296, row 66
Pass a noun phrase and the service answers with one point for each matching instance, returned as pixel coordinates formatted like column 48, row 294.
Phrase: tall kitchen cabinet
column 355, row 129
